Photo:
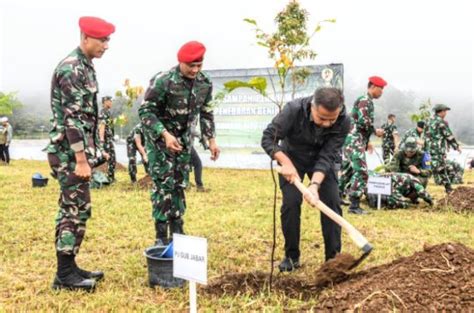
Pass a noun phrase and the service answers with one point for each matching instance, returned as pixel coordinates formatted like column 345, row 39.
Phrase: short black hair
column 420, row 124
column 330, row 98
column 391, row 115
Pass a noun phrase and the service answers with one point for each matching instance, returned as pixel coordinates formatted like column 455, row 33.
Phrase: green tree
column 8, row 102
column 424, row 112
column 124, row 104
column 287, row 46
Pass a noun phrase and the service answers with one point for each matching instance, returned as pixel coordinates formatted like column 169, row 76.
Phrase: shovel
column 353, row 233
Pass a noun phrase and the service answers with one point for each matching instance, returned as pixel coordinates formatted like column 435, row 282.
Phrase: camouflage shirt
column 362, row 118
column 409, row 133
column 106, row 119
column 74, row 91
column 136, row 131
column 389, row 130
column 173, row 102
column 438, row 135
column 400, row 163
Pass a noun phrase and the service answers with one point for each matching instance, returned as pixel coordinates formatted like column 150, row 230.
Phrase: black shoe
column 289, row 265
column 202, row 189
column 448, row 189
column 96, row 275
column 355, row 207
column 67, row 277
column 357, row 211
column 344, row 202
column 429, row 201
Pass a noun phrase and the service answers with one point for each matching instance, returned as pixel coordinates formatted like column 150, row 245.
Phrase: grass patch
column 236, row 217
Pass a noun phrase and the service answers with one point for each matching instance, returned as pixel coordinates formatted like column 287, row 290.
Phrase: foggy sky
column 422, row 46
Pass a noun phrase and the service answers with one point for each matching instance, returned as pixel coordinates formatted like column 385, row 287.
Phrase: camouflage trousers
column 354, row 169
column 112, row 162
column 440, row 169
column 132, row 161
column 406, row 189
column 455, row 172
column 387, row 152
column 170, row 175
column 74, row 202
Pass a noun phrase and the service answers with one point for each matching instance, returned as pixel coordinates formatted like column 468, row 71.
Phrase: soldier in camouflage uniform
column 416, row 132
column 438, row 136
column 406, row 186
column 106, row 136
column 354, row 165
column 455, row 172
column 172, row 103
column 74, row 148
column 390, row 138
column 410, row 160
column 136, row 142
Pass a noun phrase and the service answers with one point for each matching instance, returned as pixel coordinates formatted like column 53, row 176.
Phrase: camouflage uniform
column 354, row 167
column 437, row 137
column 132, row 151
column 406, row 186
column 172, row 102
column 108, row 144
column 409, row 133
column 388, row 141
column 73, row 129
column 455, row 172
column 400, row 164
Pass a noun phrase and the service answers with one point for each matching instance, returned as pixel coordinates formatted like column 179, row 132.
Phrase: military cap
column 106, row 98
column 441, row 107
column 378, row 81
column 420, row 124
column 192, row 51
column 95, row 27
column 410, row 145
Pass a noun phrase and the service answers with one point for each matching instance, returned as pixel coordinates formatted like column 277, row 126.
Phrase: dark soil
column 118, row 167
column 461, row 200
column 145, row 182
column 439, row 278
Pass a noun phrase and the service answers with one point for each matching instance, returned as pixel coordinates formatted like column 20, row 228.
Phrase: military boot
column 161, row 230
column 96, row 275
column 67, row 278
column 355, row 208
column 176, row 226
column 448, row 188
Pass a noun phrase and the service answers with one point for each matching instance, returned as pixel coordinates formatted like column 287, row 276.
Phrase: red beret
column 378, row 81
column 192, row 51
column 95, row 27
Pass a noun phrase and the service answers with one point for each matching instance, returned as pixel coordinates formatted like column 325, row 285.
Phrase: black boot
column 161, row 230
column 96, row 275
column 289, row 265
column 343, row 200
column 448, row 188
column 176, row 226
column 67, row 278
column 355, row 206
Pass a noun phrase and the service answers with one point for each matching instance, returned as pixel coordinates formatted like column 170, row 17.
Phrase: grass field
column 235, row 217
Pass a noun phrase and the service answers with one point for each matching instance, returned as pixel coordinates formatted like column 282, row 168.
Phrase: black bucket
column 160, row 270
column 40, row 182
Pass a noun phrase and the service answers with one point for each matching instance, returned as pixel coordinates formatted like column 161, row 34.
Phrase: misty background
column 423, row 49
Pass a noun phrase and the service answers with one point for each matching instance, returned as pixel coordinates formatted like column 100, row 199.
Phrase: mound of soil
column 439, row 278
column 118, row 167
column 145, row 182
column 331, row 272
column 461, row 200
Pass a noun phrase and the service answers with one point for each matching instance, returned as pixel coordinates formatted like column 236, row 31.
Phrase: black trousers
column 291, row 214
column 5, row 153
column 197, row 166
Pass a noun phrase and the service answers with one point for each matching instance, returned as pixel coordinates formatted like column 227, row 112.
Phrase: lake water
column 229, row 158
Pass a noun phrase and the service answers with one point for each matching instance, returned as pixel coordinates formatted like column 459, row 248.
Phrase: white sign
column 190, row 258
column 379, row 185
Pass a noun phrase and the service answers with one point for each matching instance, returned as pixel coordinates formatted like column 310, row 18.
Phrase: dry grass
column 236, row 217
